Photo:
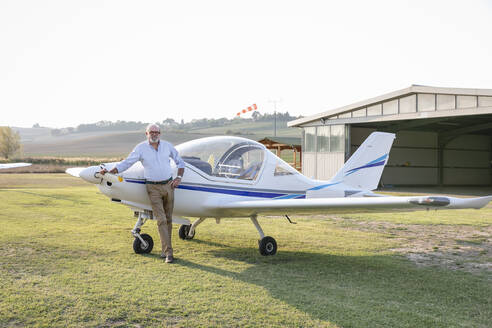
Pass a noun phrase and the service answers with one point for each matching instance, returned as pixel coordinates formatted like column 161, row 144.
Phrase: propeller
column 91, row 174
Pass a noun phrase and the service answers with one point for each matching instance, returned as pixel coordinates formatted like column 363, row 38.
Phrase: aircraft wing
column 12, row 165
column 347, row 205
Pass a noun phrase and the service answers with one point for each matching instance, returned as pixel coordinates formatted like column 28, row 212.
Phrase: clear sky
column 63, row 63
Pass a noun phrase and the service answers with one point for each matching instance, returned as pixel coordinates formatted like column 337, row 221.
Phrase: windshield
column 228, row 157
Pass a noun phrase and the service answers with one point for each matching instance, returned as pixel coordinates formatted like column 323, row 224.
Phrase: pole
column 275, row 121
column 274, row 101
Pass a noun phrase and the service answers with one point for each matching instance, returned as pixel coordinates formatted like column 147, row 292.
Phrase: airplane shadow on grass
column 379, row 290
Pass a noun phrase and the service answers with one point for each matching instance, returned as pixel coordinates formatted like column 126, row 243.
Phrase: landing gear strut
column 187, row 231
column 143, row 243
column 267, row 245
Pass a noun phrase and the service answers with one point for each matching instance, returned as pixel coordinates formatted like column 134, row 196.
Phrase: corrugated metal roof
column 414, row 89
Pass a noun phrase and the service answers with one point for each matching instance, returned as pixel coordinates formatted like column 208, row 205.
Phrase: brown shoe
column 169, row 259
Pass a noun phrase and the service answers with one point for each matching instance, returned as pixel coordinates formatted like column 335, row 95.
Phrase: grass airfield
column 67, row 260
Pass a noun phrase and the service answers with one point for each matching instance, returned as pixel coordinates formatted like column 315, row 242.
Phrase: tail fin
column 364, row 168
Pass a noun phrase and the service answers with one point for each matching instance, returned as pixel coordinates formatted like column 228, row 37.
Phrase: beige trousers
column 162, row 201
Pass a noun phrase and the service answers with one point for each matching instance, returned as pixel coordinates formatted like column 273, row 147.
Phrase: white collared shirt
column 156, row 163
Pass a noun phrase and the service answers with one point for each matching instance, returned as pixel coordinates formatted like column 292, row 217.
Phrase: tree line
column 9, row 142
column 170, row 123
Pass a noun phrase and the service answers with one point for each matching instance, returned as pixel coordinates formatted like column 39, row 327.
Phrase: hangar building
column 443, row 136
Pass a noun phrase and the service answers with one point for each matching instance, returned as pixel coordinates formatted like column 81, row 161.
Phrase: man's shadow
column 376, row 289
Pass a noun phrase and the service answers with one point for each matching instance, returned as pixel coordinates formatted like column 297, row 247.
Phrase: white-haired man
column 154, row 154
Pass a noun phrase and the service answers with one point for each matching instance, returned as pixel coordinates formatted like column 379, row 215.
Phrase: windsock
column 249, row 109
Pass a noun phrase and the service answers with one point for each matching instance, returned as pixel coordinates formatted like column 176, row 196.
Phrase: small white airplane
column 236, row 177
column 12, row 165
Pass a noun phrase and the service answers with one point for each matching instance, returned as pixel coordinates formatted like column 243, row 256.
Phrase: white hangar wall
column 324, row 149
column 322, row 166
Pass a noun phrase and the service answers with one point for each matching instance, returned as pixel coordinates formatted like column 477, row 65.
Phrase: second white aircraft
column 13, row 165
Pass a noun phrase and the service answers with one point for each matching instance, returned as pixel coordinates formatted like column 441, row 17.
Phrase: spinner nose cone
column 91, row 174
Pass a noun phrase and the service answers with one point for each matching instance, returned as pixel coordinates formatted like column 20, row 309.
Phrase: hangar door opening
column 418, row 158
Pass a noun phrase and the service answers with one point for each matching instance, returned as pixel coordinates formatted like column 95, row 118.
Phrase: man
column 154, row 154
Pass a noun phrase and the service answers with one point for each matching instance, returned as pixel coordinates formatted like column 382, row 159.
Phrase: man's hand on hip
column 176, row 182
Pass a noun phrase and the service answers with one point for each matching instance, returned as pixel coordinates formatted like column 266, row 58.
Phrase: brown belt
column 159, row 182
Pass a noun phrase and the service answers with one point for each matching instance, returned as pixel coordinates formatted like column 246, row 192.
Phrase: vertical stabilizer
column 364, row 168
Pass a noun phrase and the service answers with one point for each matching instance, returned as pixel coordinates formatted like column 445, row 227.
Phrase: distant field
column 30, row 134
column 39, row 142
column 98, row 145
column 67, row 260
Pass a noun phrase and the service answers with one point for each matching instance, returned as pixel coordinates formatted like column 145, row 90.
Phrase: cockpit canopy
column 227, row 157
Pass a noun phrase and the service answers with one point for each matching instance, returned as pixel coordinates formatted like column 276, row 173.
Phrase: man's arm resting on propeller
column 112, row 171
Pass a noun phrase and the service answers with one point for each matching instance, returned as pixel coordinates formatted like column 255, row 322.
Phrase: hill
column 107, row 145
column 41, row 142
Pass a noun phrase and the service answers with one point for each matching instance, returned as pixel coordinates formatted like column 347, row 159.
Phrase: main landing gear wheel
column 141, row 248
column 184, row 231
column 267, row 246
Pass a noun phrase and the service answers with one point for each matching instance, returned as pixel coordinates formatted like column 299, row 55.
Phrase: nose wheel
column 144, row 244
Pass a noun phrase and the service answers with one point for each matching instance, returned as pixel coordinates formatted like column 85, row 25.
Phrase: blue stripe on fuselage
column 290, row 196
column 231, row 191
column 247, row 193
column 139, row 181
column 324, row 186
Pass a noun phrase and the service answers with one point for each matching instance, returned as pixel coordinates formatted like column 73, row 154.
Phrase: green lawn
column 67, row 260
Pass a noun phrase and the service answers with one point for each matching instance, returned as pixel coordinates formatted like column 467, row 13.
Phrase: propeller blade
column 75, row 171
